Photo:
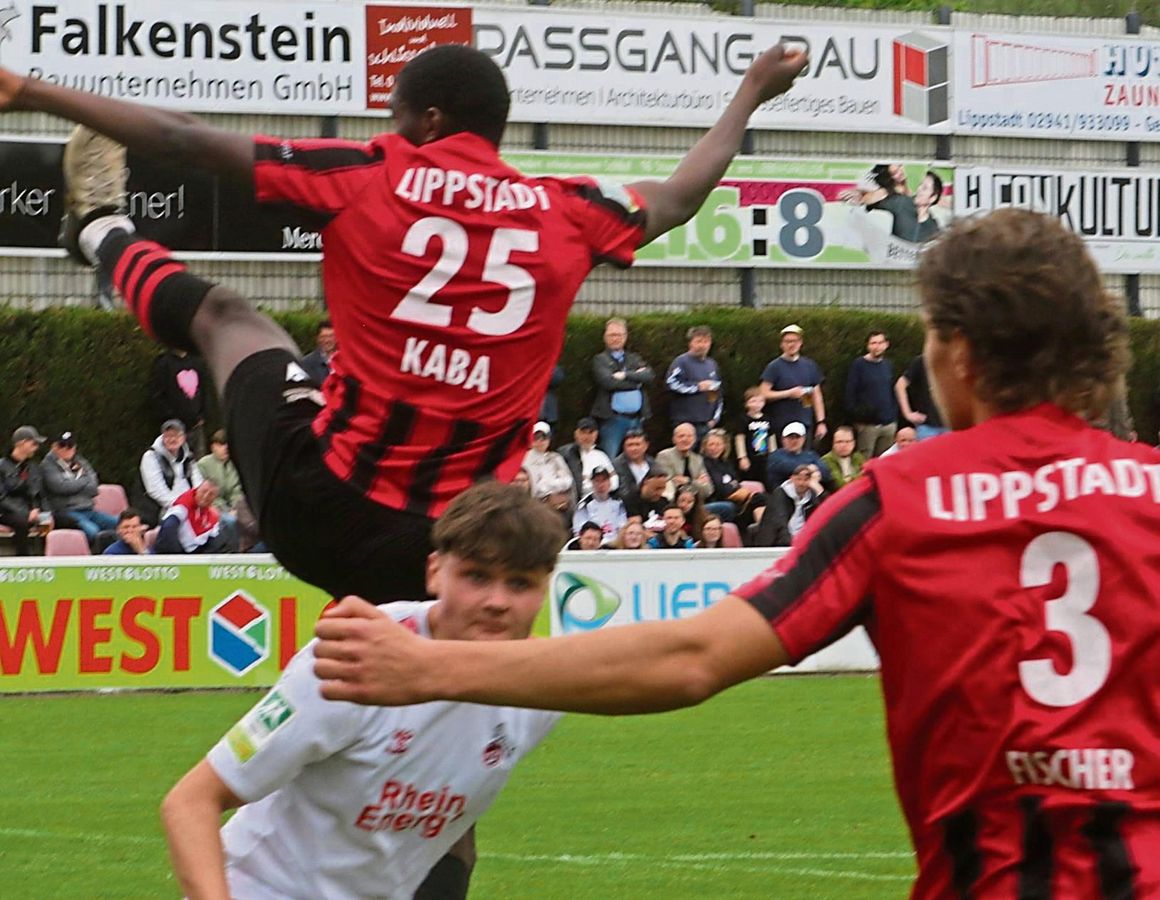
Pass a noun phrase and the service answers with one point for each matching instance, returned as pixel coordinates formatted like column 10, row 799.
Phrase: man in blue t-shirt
column 792, row 386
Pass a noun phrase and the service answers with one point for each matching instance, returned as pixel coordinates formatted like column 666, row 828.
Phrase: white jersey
column 359, row 801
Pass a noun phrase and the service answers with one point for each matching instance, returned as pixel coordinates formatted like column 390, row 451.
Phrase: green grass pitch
column 779, row 788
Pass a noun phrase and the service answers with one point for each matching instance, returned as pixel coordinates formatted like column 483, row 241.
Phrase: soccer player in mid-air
column 339, row 800
column 448, row 276
column 1008, row 573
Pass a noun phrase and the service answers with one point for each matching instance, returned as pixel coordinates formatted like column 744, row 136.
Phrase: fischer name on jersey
column 448, row 276
column 359, row 801
column 1009, row 575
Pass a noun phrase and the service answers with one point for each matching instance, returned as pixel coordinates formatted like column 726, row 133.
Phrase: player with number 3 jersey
column 448, row 277
column 1008, row 574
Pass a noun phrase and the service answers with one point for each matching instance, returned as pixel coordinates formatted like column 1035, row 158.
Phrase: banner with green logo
column 786, row 213
column 113, row 622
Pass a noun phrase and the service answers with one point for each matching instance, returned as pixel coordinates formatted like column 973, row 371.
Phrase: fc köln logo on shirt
column 400, row 741
column 498, row 748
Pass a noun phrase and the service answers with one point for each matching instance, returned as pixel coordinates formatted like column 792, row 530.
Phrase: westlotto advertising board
column 154, row 623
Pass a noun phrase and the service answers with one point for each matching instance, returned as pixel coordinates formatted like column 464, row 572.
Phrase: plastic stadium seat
column 730, row 536
column 151, row 538
column 110, row 499
column 754, row 487
column 66, row 542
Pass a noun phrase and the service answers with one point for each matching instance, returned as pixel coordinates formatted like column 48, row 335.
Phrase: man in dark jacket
column 21, row 490
column 787, row 507
column 70, row 487
column 621, row 403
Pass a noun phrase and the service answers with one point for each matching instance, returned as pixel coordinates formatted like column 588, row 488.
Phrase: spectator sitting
column 787, row 510
column 21, row 491
column 192, row 525
column 70, row 487
column 646, row 503
column 231, row 505
column 621, row 403
column 844, row 462
column 903, row 438
column 793, row 453
column 633, row 461
column 673, row 537
column 744, row 505
column 130, row 535
column 600, row 507
column 712, row 533
column 167, row 470
column 683, row 464
column 582, row 456
column 317, row 361
column 755, row 435
column 693, row 508
column 550, row 476
column 589, row 538
column 632, row 537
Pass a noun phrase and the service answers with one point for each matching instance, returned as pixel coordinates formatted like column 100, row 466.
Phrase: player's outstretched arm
column 366, row 657
column 674, row 201
column 192, row 816
column 174, row 136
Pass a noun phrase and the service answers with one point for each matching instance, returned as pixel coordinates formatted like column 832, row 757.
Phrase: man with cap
column 167, row 471
column 793, row 453
column 582, row 456
column 600, row 507
column 70, row 487
column 792, row 386
column 21, row 489
column 549, row 473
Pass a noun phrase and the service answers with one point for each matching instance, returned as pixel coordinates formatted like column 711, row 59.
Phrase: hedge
column 87, row 370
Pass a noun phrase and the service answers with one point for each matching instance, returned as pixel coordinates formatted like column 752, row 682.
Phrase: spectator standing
column 317, row 361
column 912, row 390
column 672, row 536
column 621, row 403
column 192, row 525
column 177, row 386
column 755, row 436
column 130, row 535
column 844, row 461
column 633, row 462
column 694, row 383
column 21, row 490
column 550, row 407
column 550, row 476
column 792, row 385
column 70, row 487
column 785, row 460
column 582, row 456
column 870, row 400
column 600, row 507
column 167, row 470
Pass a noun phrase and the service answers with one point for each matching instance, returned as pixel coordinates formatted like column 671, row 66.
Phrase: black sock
column 157, row 289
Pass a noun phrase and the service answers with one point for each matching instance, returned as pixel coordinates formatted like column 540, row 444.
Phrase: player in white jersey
column 339, row 800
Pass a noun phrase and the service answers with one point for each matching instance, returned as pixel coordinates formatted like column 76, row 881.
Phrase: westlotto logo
column 583, row 603
column 921, row 74
column 239, row 633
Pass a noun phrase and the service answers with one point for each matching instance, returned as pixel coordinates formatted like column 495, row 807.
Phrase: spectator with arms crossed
column 1007, row 572
column 332, row 794
column 621, row 376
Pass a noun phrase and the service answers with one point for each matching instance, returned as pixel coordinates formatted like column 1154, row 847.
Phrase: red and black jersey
column 448, row 277
column 1009, row 576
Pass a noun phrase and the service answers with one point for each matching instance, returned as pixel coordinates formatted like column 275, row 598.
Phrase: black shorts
column 319, row 528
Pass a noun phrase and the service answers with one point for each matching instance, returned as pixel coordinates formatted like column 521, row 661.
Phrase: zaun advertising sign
column 110, row 623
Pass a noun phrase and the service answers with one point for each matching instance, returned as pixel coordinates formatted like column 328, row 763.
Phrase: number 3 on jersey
column 1091, row 645
column 420, row 307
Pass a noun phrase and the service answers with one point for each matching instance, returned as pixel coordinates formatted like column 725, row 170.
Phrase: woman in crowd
column 711, row 533
column 747, row 505
column 632, row 536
